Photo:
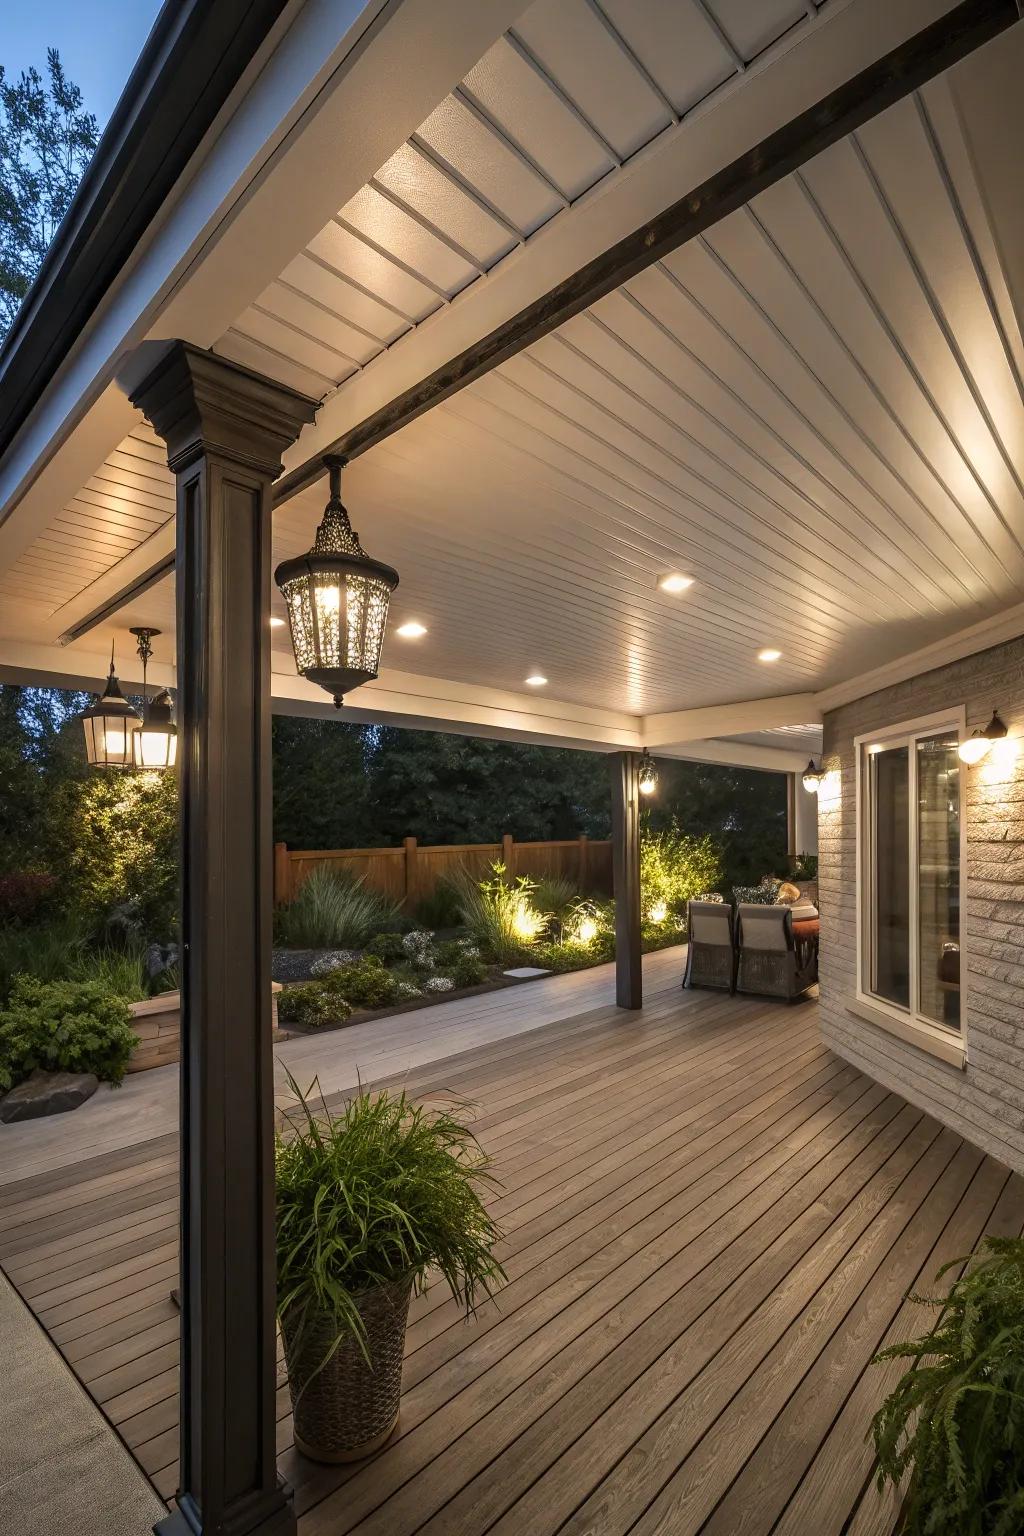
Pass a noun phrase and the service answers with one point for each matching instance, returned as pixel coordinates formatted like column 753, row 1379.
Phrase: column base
column 273, row 1515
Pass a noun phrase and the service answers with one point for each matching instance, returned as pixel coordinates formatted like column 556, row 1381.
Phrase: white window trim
column 939, row 1040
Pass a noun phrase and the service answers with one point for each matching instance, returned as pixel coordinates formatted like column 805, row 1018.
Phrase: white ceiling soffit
column 560, row 104
column 815, row 411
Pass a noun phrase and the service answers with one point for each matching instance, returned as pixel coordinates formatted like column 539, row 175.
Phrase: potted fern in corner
column 955, row 1420
column 368, row 1200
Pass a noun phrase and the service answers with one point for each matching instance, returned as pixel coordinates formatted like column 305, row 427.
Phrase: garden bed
column 365, row 1015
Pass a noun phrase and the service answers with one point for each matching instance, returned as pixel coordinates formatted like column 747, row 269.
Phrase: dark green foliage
column 387, row 947
column 386, row 1188
column 63, row 950
column 466, row 970
column 442, row 907
column 556, row 895
column 742, row 810
column 64, row 1026
column 46, row 141
column 367, row 984
column 333, row 910
column 320, row 786
column 119, row 835
column 805, row 868
column 312, row 1004
column 25, row 895
column 956, row 1419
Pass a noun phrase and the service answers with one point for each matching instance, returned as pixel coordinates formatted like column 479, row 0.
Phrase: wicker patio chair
column 769, row 962
column 711, row 955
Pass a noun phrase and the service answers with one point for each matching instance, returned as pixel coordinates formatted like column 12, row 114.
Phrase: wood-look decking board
column 710, row 1225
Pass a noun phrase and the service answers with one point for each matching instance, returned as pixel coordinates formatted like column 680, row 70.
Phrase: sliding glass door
column 909, row 875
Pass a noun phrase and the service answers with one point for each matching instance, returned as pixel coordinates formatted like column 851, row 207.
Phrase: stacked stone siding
column 985, row 1101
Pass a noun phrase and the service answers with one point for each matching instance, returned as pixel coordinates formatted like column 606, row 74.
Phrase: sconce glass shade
column 337, row 600
column 155, row 743
column 812, row 777
column 647, row 774
column 979, row 743
column 110, row 725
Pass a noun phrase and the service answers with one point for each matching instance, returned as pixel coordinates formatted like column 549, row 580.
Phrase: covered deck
column 711, row 1225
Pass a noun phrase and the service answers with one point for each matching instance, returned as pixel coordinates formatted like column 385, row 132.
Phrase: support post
column 409, row 844
column 225, row 429
column 584, row 864
column 508, row 852
column 282, row 873
column 626, row 878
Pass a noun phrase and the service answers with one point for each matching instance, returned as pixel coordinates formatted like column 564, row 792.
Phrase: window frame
column 908, row 1023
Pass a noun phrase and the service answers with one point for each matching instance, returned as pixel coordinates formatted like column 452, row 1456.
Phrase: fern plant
column 956, row 1418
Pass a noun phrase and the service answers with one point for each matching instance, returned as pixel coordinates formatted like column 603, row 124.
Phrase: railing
column 410, row 872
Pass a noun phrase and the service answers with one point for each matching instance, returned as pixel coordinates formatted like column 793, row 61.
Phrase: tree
column 47, row 139
column 744, row 810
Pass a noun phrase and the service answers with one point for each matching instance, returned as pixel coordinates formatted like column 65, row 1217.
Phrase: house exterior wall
column 984, row 1100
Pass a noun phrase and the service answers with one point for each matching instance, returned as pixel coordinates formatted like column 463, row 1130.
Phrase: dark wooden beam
column 963, row 29
column 225, row 430
column 626, row 878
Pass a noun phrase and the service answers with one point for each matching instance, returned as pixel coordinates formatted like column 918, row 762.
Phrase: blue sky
column 98, row 41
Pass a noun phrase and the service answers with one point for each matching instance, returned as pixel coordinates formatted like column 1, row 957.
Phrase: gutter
column 193, row 59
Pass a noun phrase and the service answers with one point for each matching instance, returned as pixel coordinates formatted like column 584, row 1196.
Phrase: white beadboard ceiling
column 815, row 410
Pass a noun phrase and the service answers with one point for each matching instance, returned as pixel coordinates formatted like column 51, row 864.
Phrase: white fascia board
column 683, row 726
column 786, row 79
column 739, row 754
column 346, row 85
column 997, row 630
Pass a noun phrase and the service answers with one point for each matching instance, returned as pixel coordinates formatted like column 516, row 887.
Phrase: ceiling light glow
column 411, row 631
column 536, row 680
column 768, row 655
column 674, row 582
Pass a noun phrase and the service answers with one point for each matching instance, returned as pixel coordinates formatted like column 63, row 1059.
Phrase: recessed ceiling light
column 768, row 655
column 674, row 581
column 275, row 622
column 536, row 680
column 411, row 631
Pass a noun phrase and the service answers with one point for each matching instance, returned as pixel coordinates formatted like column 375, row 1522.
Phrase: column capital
column 200, row 403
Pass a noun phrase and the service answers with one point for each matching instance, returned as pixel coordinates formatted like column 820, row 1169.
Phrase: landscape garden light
column 155, row 743
column 110, row 725
column 647, row 774
column 337, row 600
column 658, row 912
column 812, row 777
column 979, row 743
column 586, row 931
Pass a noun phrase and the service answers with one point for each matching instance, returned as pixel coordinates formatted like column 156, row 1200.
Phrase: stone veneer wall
column 985, row 1101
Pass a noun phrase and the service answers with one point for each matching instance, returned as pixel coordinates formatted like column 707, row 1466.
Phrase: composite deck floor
column 711, row 1224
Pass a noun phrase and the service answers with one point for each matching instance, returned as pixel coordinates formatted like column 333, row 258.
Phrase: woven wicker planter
column 346, row 1410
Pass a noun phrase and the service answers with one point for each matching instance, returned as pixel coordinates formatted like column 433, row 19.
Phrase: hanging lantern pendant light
column 111, row 725
column 647, row 774
column 337, row 599
column 155, row 745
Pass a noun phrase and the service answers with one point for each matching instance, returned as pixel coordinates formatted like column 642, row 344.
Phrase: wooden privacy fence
column 409, row 873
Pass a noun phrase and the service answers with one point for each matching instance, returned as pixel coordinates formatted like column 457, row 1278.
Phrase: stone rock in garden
column 333, row 960
column 47, row 1093
column 299, row 964
column 160, row 958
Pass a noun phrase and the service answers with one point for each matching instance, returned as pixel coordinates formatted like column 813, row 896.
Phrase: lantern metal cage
column 647, row 774
column 812, row 777
column 111, row 725
column 337, row 600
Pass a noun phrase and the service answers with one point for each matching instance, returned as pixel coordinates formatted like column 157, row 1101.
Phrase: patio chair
column 770, row 963
column 711, row 955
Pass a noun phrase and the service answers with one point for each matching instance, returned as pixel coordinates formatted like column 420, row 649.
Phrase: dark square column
column 225, row 430
column 626, row 877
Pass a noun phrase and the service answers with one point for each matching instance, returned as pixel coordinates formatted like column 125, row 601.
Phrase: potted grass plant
column 955, row 1420
column 368, row 1200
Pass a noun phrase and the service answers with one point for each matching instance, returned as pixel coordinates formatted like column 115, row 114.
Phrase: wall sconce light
column 812, row 777
column 979, row 743
column 647, row 774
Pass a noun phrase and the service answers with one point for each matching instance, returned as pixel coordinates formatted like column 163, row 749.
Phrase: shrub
column 387, row 947
column 365, row 985
column 24, row 894
column 441, row 907
column 312, row 1004
column 332, row 910
column 467, row 971
column 418, row 948
column 62, row 951
column 453, row 950
column 674, row 869
column 806, row 867
column 119, row 834
column 555, row 894
column 64, row 1026
column 407, row 989
column 501, row 915
column 385, row 1189
column 764, row 894
column 439, row 984
column 956, row 1418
